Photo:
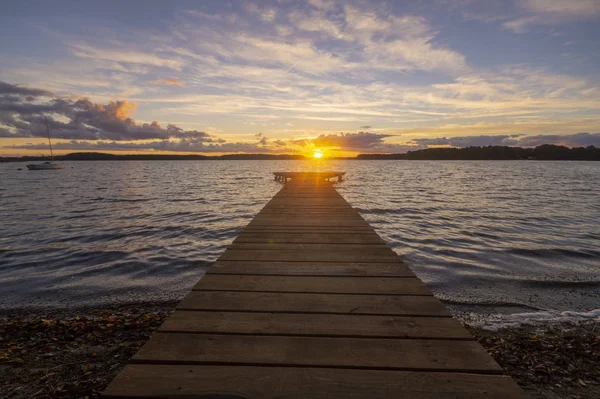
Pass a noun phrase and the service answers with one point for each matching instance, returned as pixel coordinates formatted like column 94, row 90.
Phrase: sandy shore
column 75, row 354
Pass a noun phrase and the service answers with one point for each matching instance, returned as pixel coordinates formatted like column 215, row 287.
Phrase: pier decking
column 308, row 177
column 309, row 302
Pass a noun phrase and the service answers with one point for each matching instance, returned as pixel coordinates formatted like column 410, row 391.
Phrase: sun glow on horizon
column 318, row 154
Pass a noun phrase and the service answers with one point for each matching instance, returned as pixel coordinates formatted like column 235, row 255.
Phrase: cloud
column 361, row 140
column 553, row 12
column 346, row 65
column 124, row 55
column 265, row 14
column 569, row 140
column 5, row 132
column 7, row 88
column 183, row 145
column 584, row 8
column 322, row 4
column 23, row 110
column 357, row 142
column 519, row 140
column 324, row 38
column 469, row 141
column 321, row 66
column 172, row 82
column 521, row 25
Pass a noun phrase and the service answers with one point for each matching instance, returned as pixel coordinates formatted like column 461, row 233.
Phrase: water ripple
column 485, row 236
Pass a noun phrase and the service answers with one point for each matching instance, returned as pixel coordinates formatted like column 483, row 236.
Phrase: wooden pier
column 309, row 177
column 309, row 302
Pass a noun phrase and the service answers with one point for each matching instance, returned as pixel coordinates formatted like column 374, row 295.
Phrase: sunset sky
column 291, row 76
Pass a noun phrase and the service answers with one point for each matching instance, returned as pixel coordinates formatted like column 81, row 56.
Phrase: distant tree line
column 547, row 152
column 100, row 156
column 543, row 152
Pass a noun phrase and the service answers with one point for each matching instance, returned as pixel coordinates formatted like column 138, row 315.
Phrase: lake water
column 499, row 242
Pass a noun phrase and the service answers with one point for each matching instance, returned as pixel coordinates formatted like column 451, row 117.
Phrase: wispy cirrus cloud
column 552, row 12
column 581, row 8
column 166, row 81
column 125, row 55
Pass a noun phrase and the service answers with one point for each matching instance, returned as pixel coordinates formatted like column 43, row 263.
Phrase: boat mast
column 49, row 142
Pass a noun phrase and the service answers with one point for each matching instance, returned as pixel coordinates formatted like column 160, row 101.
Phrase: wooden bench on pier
column 309, row 302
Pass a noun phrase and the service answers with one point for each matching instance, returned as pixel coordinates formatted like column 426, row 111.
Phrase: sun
column 318, row 154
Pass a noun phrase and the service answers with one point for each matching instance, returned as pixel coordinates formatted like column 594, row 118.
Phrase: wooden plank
column 308, row 229
column 307, row 255
column 160, row 381
column 294, row 194
column 273, row 210
column 308, row 238
column 403, row 305
column 312, row 268
column 342, row 285
column 301, row 205
column 310, row 204
column 286, row 220
column 315, row 325
column 313, row 202
column 309, row 223
column 269, row 212
column 298, row 217
column 398, row 354
column 317, row 247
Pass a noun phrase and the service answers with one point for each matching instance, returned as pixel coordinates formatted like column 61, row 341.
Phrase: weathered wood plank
column 308, row 202
column 312, row 268
column 308, row 238
column 314, row 325
column 307, row 255
column 317, row 222
column 333, row 219
column 314, row 303
column 399, row 354
column 342, row 285
column 284, row 205
column 178, row 382
column 307, row 229
column 317, row 247
column 273, row 210
column 283, row 220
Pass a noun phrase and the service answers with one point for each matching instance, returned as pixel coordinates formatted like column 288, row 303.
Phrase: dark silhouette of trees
column 543, row 152
column 546, row 152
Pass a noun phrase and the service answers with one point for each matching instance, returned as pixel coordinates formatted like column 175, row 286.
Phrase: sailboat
column 48, row 164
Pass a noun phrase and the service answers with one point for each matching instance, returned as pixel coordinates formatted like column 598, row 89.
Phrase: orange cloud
column 172, row 82
column 121, row 109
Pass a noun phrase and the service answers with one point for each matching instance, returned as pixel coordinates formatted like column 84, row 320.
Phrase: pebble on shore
column 65, row 355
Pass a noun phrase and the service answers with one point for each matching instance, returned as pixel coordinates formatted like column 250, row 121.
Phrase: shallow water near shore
column 499, row 242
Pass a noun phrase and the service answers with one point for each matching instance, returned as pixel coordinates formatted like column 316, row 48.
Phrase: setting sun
column 318, row 154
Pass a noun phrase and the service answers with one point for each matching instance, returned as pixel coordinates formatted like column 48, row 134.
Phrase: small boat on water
column 48, row 164
column 45, row 165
